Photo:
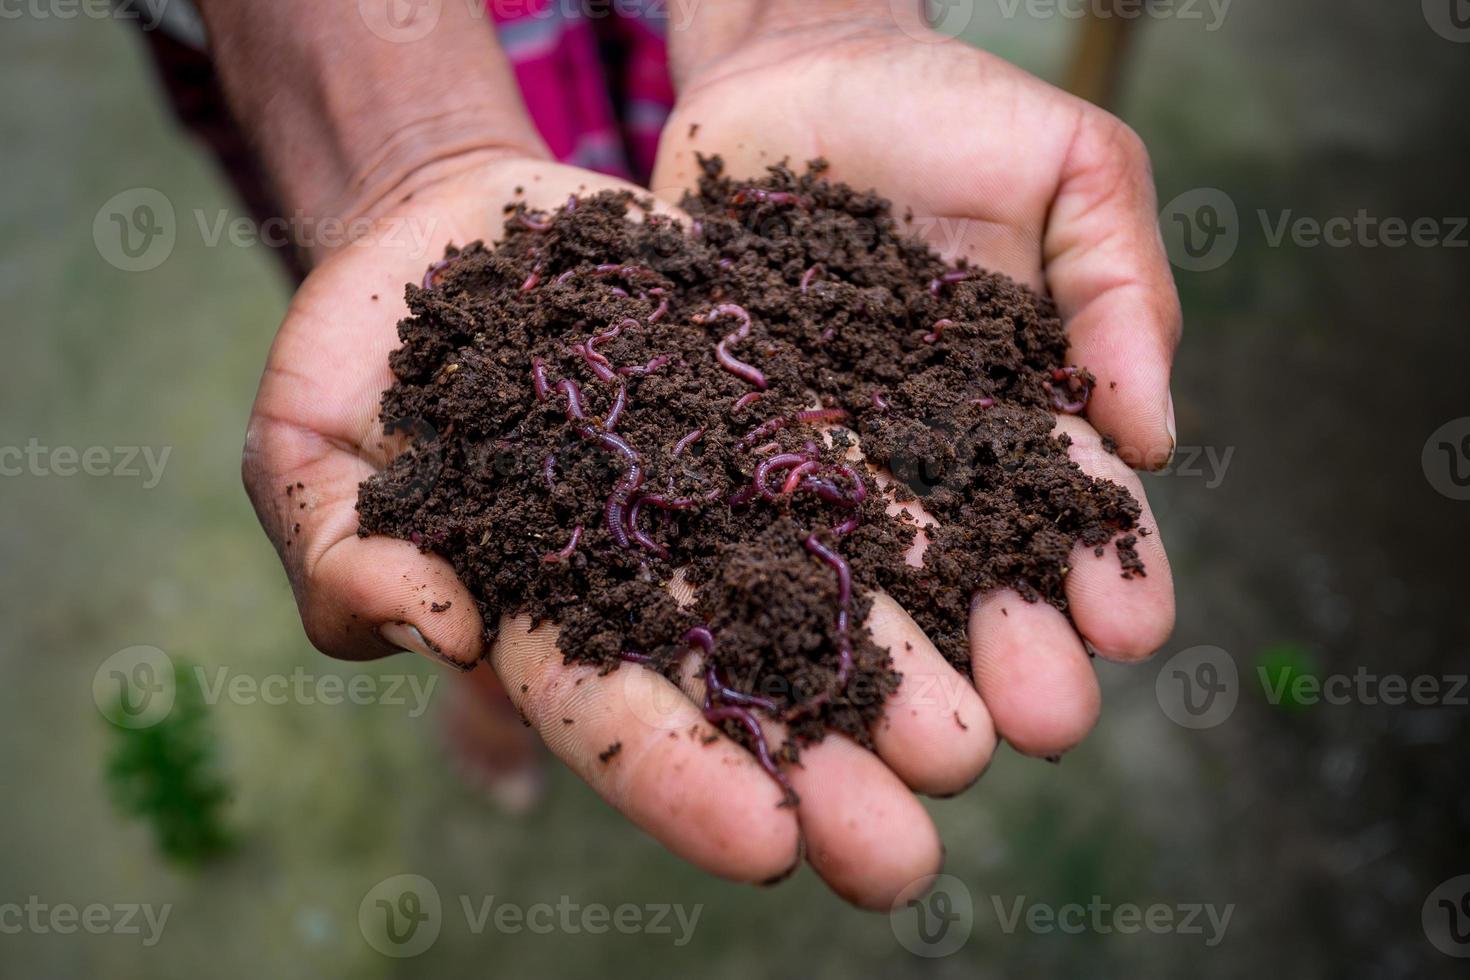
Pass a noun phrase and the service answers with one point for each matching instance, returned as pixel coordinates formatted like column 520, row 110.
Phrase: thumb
column 1107, row 268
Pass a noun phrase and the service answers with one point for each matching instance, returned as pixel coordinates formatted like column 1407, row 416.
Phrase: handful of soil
column 597, row 402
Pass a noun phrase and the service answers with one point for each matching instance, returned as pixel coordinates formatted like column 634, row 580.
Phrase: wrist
column 718, row 32
column 349, row 120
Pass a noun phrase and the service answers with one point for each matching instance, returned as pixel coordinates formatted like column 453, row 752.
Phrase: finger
column 641, row 744
column 360, row 598
column 935, row 733
column 1123, row 618
column 1032, row 673
column 1106, row 267
column 866, row 835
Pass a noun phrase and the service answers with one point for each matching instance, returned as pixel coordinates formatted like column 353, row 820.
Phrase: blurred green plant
column 167, row 775
column 1278, row 667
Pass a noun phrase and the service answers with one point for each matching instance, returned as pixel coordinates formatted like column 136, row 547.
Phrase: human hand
column 1015, row 176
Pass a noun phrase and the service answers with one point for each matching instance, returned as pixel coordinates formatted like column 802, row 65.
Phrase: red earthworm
column 725, row 263
column 631, row 271
column 612, row 332
column 746, row 400
column 618, row 291
column 634, row 657
column 827, row 335
column 797, row 474
column 614, row 414
column 599, row 364
column 555, row 556
column 538, row 379
column 715, row 714
column 659, row 311
column 575, row 410
column 534, row 224
column 663, row 503
column 774, row 425
column 431, row 275
column 982, row 402
column 948, row 279
column 548, row 470
column 742, row 496
column 648, row 368
column 700, row 636
column 879, row 402
column 937, row 330
column 762, row 196
column 764, row 448
column 718, row 690
column 571, row 203
column 809, row 275
column 696, row 228
column 686, row 442
column 627, row 485
column 780, row 461
column 532, row 280
column 1077, row 384
column 818, row 415
column 562, row 279
column 841, row 626
column 728, row 361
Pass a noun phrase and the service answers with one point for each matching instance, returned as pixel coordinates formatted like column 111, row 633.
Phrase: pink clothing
column 594, row 75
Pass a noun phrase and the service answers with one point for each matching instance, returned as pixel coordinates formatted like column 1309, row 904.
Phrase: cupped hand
column 1012, row 174
column 315, row 434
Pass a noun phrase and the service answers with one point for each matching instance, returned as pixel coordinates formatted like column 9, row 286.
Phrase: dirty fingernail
column 406, row 636
column 1171, row 426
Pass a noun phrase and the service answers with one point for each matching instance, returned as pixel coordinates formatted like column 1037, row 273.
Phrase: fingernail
column 776, row 879
column 1171, row 426
column 406, row 636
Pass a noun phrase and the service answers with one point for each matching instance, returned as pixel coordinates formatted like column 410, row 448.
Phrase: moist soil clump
column 599, row 402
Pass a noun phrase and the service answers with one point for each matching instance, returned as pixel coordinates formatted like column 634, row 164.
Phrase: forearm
column 348, row 121
column 710, row 31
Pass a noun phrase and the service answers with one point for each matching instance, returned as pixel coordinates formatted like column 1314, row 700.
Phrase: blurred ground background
column 1323, row 547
